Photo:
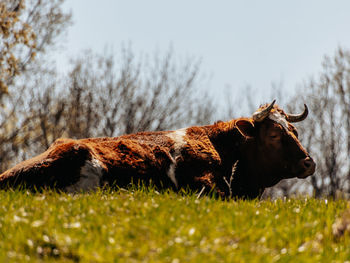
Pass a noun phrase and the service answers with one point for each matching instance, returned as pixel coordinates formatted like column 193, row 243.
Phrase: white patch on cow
column 279, row 118
column 90, row 175
column 179, row 141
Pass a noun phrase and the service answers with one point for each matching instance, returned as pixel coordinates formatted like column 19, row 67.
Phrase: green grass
column 145, row 226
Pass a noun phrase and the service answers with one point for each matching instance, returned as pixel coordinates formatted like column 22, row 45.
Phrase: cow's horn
column 261, row 115
column 298, row 117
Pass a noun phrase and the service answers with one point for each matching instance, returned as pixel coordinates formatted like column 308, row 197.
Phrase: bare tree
column 28, row 30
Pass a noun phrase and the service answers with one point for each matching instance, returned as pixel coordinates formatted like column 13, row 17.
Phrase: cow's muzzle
column 308, row 167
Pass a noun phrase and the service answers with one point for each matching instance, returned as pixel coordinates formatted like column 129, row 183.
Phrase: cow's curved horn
column 298, row 117
column 261, row 115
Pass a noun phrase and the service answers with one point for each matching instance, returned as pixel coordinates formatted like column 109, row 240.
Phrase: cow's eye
column 274, row 136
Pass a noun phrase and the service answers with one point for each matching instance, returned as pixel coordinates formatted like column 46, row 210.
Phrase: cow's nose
column 309, row 166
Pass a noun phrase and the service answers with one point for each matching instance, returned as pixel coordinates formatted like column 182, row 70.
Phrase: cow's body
column 198, row 158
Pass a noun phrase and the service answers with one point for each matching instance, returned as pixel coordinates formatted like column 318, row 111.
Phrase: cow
column 235, row 159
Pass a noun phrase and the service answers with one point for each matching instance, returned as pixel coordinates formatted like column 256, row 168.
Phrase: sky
column 240, row 43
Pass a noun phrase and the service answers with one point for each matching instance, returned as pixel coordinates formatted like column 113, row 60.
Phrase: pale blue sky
column 248, row 42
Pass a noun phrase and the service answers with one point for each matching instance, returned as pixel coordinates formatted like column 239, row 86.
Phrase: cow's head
column 274, row 149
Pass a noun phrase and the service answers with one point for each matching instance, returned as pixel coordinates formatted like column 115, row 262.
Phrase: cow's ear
column 246, row 128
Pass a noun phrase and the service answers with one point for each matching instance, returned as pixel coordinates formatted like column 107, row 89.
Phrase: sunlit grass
column 143, row 225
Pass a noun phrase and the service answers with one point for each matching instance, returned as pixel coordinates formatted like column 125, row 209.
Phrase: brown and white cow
column 238, row 158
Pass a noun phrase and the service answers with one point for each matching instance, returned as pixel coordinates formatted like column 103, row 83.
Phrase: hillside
column 147, row 226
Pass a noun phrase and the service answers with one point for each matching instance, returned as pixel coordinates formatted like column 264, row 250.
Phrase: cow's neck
column 226, row 140
column 232, row 146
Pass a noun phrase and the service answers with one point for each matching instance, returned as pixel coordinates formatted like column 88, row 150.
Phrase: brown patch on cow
column 133, row 158
column 199, row 147
column 55, row 168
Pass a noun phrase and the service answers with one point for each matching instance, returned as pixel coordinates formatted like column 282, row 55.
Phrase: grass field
column 145, row 226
